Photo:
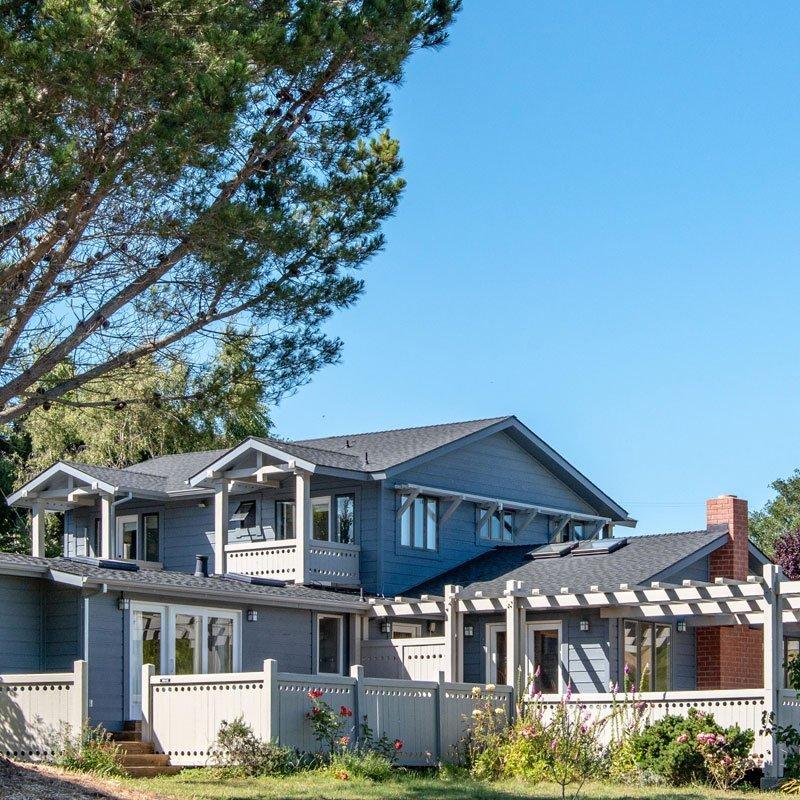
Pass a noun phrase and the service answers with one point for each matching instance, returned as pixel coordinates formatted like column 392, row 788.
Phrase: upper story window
column 577, row 531
column 498, row 528
column 419, row 524
column 332, row 519
column 138, row 537
column 245, row 514
column 151, row 536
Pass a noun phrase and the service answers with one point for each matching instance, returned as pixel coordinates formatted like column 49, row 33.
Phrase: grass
column 202, row 784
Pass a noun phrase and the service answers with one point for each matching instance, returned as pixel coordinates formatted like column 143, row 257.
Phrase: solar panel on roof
column 599, row 546
column 555, row 550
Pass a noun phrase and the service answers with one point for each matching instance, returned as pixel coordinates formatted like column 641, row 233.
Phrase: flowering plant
column 325, row 722
column 725, row 769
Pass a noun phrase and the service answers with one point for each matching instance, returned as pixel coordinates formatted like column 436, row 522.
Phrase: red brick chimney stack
column 729, row 657
column 731, row 560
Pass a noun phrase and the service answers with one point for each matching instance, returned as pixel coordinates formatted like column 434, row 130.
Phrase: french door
column 181, row 640
column 544, row 656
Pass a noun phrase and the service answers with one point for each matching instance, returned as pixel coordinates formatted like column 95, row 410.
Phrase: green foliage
column 523, row 755
column 669, row 747
column 91, row 751
column 787, row 736
column 780, row 515
column 482, row 746
column 238, row 751
column 360, row 763
column 171, row 167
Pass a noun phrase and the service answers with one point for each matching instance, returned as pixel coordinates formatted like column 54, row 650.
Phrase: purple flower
column 627, row 670
column 538, row 672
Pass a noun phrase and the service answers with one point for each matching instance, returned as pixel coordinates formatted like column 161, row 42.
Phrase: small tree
column 787, row 554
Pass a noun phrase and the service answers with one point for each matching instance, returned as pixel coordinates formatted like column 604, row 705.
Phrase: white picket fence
column 182, row 715
column 417, row 659
column 36, row 709
column 742, row 707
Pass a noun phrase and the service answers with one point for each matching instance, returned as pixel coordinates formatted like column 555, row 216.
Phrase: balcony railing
column 326, row 562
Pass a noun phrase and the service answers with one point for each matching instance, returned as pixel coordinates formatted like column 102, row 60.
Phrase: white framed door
column 128, row 536
column 496, row 671
column 543, row 652
column 181, row 640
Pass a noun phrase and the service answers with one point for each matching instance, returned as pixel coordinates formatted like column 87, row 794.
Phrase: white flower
column 476, row 713
column 490, row 687
column 476, row 691
column 499, row 710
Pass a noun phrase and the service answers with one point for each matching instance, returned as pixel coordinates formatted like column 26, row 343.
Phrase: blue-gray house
column 328, row 552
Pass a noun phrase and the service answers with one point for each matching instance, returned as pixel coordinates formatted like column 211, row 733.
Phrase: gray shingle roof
column 164, row 581
column 177, row 468
column 128, row 478
column 638, row 562
column 383, row 449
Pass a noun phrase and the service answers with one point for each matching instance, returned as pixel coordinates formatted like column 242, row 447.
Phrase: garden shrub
column 356, row 763
column 523, row 754
column 239, row 751
column 670, row 747
column 92, row 751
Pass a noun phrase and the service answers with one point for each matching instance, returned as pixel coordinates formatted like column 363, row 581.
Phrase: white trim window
column 284, row 519
column 405, row 630
column 496, row 653
column 647, row 655
column 543, row 653
column 128, row 537
column 330, row 644
column 419, row 524
column 332, row 519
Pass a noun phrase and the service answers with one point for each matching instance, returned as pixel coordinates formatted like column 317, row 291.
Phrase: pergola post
column 38, row 529
column 513, row 633
column 220, row 525
column 453, row 635
column 107, row 543
column 773, row 655
column 303, row 523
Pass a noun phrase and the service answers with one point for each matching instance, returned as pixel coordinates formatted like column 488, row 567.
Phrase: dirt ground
column 29, row 782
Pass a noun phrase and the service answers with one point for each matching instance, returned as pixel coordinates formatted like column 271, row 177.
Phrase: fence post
column 773, row 660
column 360, row 709
column 148, row 670
column 79, row 717
column 441, row 698
column 453, row 633
column 272, row 715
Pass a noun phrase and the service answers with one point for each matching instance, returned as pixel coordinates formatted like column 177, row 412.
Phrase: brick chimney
column 731, row 560
column 729, row 657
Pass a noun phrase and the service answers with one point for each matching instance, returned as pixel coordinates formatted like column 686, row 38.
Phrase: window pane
column 419, row 522
column 431, row 523
column 405, row 526
column 485, row 524
column 499, row 657
column 495, row 527
column 129, row 531
column 578, row 531
column 220, row 644
column 146, row 645
column 791, row 649
column 345, row 519
column 630, row 655
column 321, row 512
column 187, row 637
column 663, row 658
column 284, row 518
column 95, row 545
column 151, row 537
column 328, row 645
column 546, row 657
column 508, row 526
column 646, row 656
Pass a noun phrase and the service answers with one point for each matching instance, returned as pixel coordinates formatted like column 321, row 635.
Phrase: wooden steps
column 139, row 759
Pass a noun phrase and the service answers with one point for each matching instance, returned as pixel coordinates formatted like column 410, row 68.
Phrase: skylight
column 555, row 550
column 599, row 546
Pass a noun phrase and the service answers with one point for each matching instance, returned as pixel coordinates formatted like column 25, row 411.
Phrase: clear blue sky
column 600, row 234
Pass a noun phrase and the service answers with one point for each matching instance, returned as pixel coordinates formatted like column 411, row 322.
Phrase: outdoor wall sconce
column 123, row 604
column 431, row 627
column 469, row 631
column 680, row 626
column 584, row 625
column 252, row 615
column 202, row 503
column 386, row 627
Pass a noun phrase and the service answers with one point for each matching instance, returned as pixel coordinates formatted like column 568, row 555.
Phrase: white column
column 148, row 670
column 108, row 544
column 513, row 633
column 79, row 713
column 220, row 525
column 773, row 656
column 38, row 529
column 453, row 634
column 302, row 523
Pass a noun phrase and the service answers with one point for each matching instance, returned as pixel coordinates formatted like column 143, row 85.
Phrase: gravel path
column 29, row 782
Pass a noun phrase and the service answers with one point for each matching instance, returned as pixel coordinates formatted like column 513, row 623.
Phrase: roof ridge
column 717, row 528
column 104, row 466
column 402, row 430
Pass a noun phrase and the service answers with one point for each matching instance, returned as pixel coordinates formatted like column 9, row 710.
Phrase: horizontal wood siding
column 21, row 624
column 63, row 643
column 107, row 688
column 495, row 467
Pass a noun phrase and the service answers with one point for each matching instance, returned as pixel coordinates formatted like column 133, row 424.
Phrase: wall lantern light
column 469, row 631
column 386, row 627
column 252, row 615
column 431, row 627
column 680, row 626
column 584, row 625
column 123, row 604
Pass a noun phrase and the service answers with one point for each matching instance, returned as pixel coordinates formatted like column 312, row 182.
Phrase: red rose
column 398, row 744
column 315, row 694
column 344, row 711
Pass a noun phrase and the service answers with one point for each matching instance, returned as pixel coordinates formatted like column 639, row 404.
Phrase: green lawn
column 206, row 785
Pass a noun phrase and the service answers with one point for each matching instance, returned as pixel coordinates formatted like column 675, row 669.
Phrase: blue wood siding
column 107, row 642
column 496, row 467
column 63, row 628
column 21, row 624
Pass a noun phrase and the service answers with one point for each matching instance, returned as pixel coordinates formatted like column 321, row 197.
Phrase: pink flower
column 342, row 775
column 538, row 672
column 720, row 739
column 315, row 694
column 640, row 706
column 683, row 738
column 344, row 741
column 344, row 711
column 584, row 729
column 553, row 744
column 398, row 744
column 568, row 695
column 627, row 670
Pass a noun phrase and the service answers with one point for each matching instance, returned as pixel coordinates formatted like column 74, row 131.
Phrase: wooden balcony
column 326, row 562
